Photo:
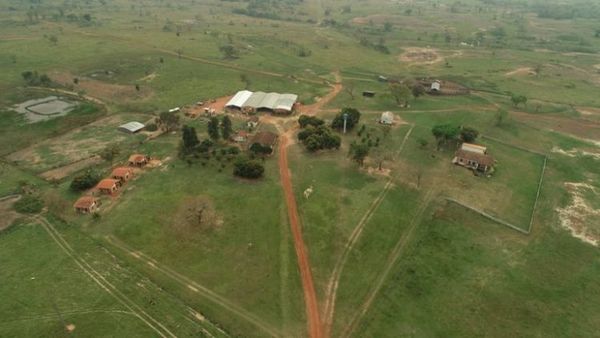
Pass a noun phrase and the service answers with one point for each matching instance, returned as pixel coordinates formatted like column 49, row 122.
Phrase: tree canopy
column 353, row 118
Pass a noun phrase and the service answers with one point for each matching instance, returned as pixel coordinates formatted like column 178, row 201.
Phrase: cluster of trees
column 169, row 121
column 217, row 129
column 315, row 135
column 85, row 181
column 360, row 150
column 450, row 135
column 353, row 116
column 248, row 168
column 32, row 78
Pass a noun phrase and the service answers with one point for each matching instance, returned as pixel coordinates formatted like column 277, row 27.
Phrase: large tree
column 110, row 152
column 226, row 129
column 401, row 93
column 353, row 116
column 168, row 120
column 213, row 128
column 468, row 134
column 445, row 133
column 358, row 152
column 189, row 138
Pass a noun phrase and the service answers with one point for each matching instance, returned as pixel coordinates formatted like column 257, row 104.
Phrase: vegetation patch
column 580, row 217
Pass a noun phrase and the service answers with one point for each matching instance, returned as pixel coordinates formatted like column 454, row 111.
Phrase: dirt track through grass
column 99, row 279
column 310, row 296
column 332, row 285
column 196, row 288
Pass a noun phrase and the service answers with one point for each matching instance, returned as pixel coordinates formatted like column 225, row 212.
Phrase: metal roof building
column 261, row 100
column 131, row 127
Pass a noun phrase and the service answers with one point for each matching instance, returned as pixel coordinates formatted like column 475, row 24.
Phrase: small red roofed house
column 122, row 174
column 108, row 186
column 138, row 160
column 474, row 157
column 86, row 204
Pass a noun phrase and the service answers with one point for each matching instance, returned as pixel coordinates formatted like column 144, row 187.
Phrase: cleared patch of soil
column 103, row 90
column 420, row 55
column 217, row 104
column 576, row 153
column 521, row 72
column 580, row 218
column 9, row 215
column 578, row 128
column 62, row 172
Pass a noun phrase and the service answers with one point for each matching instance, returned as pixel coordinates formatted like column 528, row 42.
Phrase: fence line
column 486, row 215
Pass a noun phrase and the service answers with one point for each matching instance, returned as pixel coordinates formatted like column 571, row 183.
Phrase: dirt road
column 310, row 296
column 336, row 88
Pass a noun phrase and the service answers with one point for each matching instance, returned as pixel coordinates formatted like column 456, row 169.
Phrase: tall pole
column 345, row 119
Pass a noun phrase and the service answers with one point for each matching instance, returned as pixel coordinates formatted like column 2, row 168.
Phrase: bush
column 29, row 204
column 305, row 120
column 317, row 138
column 85, row 181
column 151, row 127
column 248, row 169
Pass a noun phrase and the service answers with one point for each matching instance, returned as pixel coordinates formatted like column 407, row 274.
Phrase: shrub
column 305, row 120
column 29, row 204
column 317, row 138
column 85, row 181
column 151, row 127
column 248, row 169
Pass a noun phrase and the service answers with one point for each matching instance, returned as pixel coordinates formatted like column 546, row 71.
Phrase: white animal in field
column 308, row 192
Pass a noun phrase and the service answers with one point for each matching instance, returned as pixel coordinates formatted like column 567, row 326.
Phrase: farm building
column 240, row 137
column 436, row 86
column 474, row 157
column 248, row 101
column 86, row 204
column 253, row 122
column 264, row 141
column 122, row 174
column 108, row 186
column 138, row 160
column 131, row 127
column 387, row 118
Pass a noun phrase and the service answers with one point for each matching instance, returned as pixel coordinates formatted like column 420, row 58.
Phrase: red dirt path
column 310, row 296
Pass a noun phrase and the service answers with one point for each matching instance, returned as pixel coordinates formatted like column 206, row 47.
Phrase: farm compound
column 250, row 102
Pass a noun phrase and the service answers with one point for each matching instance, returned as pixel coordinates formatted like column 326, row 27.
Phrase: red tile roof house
column 108, row 186
column 86, row 204
column 240, row 137
column 138, row 160
column 122, row 174
column 474, row 157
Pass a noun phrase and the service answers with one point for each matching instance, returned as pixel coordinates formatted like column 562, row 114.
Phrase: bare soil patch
column 576, row 127
column 580, row 218
column 218, row 105
column 102, row 90
column 418, row 55
column 9, row 215
column 195, row 215
column 521, row 72
column 62, row 172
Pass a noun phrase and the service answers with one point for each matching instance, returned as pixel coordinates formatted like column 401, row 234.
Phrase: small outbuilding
column 436, row 86
column 122, row 174
column 131, row 127
column 387, row 118
column 474, row 157
column 109, row 186
column 253, row 122
column 86, row 204
column 138, row 160
column 240, row 137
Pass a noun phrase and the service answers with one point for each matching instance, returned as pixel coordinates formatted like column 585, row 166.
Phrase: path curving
column 310, row 296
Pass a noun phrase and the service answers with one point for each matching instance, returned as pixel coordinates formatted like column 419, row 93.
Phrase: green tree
column 401, row 93
column 85, row 181
column 358, row 152
column 29, row 204
column 213, row 128
column 468, row 134
column 305, row 120
column 518, row 99
column 110, row 152
column 229, row 52
column 444, row 134
column 168, row 120
column 353, row 118
column 189, row 139
column 248, row 168
column 226, row 129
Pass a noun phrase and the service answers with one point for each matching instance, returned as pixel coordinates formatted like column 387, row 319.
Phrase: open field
column 188, row 249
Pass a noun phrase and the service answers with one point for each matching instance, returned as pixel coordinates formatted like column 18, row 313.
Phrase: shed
column 248, row 101
column 368, row 93
column 253, row 121
column 436, row 86
column 131, row 127
column 387, row 118
column 121, row 173
column 474, row 157
column 86, row 204
column 108, row 186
